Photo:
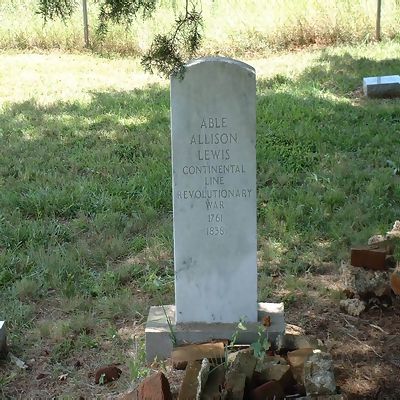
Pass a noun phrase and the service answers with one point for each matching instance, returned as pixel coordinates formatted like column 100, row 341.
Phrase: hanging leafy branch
column 167, row 53
column 52, row 9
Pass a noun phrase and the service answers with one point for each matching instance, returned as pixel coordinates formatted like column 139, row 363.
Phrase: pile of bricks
column 373, row 272
column 218, row 371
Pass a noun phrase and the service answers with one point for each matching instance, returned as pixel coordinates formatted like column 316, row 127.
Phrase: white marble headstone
column 213, row 114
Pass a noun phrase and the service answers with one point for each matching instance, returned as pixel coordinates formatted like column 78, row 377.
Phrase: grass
column 85, row 199
column 232, row 27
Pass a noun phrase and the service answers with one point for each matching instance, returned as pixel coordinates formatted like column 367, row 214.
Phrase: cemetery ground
column 85, row 211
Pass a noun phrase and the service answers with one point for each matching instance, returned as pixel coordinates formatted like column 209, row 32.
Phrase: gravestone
column 382, row 86
column 213, row 114
column 213, row 134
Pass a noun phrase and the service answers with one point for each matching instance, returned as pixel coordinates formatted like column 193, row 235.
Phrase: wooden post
column 378, row 20
column 85, row 23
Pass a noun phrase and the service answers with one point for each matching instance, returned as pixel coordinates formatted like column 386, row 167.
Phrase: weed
column 82, row 323
column 262, row 344
column 62, row 350
column 44, row 328
column 27, row 289
column 120, row 305
column 85, row 341
column 137, row 364
column 60, row 329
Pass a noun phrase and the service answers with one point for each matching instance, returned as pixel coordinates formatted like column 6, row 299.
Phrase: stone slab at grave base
column 382, row 86
column 161, row 325
column 3, row 345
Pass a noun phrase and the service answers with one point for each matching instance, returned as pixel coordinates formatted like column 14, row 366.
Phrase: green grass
column 232, row 27
column 85, row 190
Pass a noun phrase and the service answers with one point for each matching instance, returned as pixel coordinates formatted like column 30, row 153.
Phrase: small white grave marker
column 382, row 86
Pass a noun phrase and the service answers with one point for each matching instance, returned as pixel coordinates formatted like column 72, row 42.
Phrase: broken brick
column 193, row 352
column 296, row 359
column 190, row 382
column 155, row 387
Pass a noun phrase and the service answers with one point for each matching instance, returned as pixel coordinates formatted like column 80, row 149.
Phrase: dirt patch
column 366, row 350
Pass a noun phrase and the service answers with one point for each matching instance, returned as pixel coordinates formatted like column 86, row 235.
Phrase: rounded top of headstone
column 221, row 60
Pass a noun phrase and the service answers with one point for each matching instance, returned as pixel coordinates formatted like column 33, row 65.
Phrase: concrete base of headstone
column 161, row 329
column 382, row 86
column 3, row 343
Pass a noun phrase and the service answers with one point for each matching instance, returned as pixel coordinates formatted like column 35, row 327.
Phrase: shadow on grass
column 344, row 74
column 323, row 176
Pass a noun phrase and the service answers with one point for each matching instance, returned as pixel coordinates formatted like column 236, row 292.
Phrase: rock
column 353, row 307
column 202, row 377
column 319, row 378
column 179, row 365
column 268, row 391
column 244, row 362
column 194, row 380
column 214, row 384
column 279, row 373
column 376, row 239
column 296, row 360
column 190, row 383
column 107, row 374
column 292, row 329
column 364, row 283
column 241, row 363
column 294, row 342
column 18, row 362
column 235, row 382
column 395, row 232
column 155, row 387
column 269, row 361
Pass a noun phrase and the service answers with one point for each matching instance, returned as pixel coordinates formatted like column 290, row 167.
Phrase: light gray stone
column 161, row 330
column 353, row 307
column 362, row 282
column 213, row 128
column 319, row 378
column 382, row 86
column 3, row 343
column 202, row 377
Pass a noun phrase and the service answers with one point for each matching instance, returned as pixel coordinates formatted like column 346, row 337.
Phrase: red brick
column 198, row 351
column 368, row 258
column 107, row 374
column 155, row 387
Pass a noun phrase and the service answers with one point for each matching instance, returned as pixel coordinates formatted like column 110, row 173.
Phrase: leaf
column 256, row 346
column 63, row 377
column 241, row 326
